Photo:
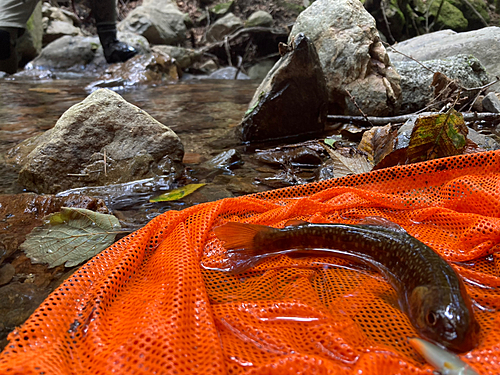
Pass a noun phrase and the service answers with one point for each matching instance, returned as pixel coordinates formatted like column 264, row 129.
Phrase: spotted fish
column 429, row 290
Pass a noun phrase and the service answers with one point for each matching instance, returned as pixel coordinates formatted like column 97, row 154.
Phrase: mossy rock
column 222, row 9
column 450, row 17
column 474, row 20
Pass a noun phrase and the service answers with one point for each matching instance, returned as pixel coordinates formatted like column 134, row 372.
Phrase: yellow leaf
column 176, row 194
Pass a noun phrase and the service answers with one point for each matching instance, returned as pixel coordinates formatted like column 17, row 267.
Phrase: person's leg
column 104, row 12
column 13, row 17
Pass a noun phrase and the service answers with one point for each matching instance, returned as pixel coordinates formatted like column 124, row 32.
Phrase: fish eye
column 431, row 318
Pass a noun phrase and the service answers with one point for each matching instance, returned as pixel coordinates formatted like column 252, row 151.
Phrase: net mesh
column 152, row 303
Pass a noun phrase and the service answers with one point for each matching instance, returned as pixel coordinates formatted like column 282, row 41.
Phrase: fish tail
column 240, row 241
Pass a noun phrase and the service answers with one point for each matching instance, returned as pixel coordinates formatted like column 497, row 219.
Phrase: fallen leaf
column 176, row 194
column 71, row 236
column 437, row 136
column 378, row 142
column 346, row 163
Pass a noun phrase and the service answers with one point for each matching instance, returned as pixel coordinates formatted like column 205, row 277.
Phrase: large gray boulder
column 160, row 22
column 352, row 57
column 81, row 52
column 483, row 44
column 30, row 44
column 291, row 100
column 58, row 22
column 416, row 80
column 103, row 128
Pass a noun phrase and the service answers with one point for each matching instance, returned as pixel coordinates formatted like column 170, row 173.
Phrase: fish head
column 444, row 318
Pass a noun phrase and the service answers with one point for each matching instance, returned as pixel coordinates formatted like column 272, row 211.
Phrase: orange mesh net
column 147, row 304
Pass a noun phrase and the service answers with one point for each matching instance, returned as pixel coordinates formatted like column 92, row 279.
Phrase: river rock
column 102, row 140
column 352, row 57
column 416, row 80
column 491, row 103
column 77, row 53
column 259, row 18
column 151, row 68
column 184, row 57
column 223, row 26
column 483, row 44
column 160, row 22
column 58, row 22
column 291, row 100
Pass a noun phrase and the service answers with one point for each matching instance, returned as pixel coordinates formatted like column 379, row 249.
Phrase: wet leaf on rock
column 71, row 236
column 176, row 194
column 437, row 136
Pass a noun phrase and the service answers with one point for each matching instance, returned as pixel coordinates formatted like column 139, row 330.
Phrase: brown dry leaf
column 348, row 161
column 378, row 142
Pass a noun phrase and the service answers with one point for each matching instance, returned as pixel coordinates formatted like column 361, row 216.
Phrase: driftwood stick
column 360, row 120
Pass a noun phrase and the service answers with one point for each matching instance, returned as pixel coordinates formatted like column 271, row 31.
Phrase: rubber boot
column 105, row 17
column 114, row 50
column 8, row 54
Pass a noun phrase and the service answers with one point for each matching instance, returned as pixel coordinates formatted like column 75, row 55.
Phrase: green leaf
column 437, row 136
column 71, row 236
column 176, row 194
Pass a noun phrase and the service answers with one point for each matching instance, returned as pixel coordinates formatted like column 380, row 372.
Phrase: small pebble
column 7, row 272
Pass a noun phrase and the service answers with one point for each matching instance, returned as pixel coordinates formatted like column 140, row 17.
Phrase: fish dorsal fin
column 295, row 223
column 380, row 221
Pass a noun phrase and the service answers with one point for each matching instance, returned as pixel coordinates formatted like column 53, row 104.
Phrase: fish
column 429, row 291
column 442, row 360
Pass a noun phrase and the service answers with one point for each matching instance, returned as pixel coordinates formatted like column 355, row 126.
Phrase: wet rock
column 159, row 21
column 226, row 160
column 81, row 53
column 416, row 80
column 483, row 44
column 300, row 155
column 58, row 22
column 184, row 57
column 102, row 140
column 491, row 103
column 20, row 213
column 291, row 100
column 259, row 18
column 17, row 302
column 352, row 57
column 223, row 26
column 154, row 67
column 228, row 72
column 7, row 272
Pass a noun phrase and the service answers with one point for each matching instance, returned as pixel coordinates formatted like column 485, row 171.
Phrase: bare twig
column 386, row 21
column 228, row 51
column 105, row 170
column 468, row 116
column 411, row 58
column 476, row 12
column 357, row 106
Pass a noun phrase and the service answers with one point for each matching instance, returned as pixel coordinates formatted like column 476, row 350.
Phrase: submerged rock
column 151, row 68
column 102, row 140
column 292, row 99
column 352, row 57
